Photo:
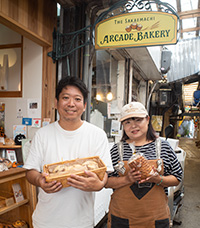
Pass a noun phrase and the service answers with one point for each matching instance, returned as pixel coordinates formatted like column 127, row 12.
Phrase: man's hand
column 38, row 179
column 50, row 187
column 89, row 183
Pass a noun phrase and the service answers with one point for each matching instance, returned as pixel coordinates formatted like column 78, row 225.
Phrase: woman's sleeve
column 171, row 164
column 115, row 158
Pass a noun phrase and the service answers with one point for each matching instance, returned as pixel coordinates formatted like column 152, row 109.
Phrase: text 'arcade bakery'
column 139, row 36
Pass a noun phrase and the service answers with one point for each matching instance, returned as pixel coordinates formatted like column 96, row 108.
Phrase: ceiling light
column 109, row 96
column 98, row 97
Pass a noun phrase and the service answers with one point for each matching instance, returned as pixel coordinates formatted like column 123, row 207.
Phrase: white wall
column 32, row 88
column 155, row 53
column 142, row 93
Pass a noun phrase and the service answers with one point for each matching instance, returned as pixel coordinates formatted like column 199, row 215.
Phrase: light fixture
column 98, row 97
column 109, row 96
column 10, row 54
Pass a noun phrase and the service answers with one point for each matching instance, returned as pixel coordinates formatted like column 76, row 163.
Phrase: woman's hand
column 133, row 176
column 154, row 178
column 164, row 181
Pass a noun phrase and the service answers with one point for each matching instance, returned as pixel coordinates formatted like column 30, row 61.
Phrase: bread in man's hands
column 91, row 165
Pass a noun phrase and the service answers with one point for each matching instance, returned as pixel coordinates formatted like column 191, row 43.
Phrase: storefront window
column 104, row 89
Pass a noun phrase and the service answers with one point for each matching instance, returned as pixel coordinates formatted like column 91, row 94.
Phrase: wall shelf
column 10, row 146
column 4, row 210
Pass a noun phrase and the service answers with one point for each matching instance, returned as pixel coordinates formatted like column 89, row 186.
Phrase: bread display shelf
column 10, row 146
column 6, row 199
column 12, row 174
column 22, row 210
column 62, row 177
column 13, row 206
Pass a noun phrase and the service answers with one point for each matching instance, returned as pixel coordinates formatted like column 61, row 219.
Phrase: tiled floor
column 190, row 211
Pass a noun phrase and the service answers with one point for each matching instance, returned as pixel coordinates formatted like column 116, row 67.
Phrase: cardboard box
column 62, row 177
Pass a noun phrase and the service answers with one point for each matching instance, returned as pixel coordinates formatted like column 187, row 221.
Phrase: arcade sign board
column 137, row 29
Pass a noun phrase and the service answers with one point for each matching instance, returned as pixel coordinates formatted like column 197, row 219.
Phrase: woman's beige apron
column 134, row 206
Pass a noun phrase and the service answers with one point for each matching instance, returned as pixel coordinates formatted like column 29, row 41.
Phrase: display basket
column 62, row 177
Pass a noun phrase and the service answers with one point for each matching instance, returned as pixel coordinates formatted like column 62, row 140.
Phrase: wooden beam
column 15, row 26
column 178, row 4
column 198, row 20
column 48, row 86
column 189, row 14
column 198, row 25
column 190, row 29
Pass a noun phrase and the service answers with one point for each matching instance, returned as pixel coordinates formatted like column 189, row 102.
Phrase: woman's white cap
column 133, row 109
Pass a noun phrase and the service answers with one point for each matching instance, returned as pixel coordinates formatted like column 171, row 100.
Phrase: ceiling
column 188, row 11
column 189, row 14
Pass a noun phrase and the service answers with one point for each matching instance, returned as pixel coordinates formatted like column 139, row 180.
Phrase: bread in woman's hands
column 141, row 164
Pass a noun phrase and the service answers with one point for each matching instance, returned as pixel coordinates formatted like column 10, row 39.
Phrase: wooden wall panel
column 49, row 85
column 36, row 19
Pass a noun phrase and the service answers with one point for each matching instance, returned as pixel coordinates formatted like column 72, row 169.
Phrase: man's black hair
column 72, row 81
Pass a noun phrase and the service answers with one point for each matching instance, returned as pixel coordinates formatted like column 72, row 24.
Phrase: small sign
column 27, row 121
column 46, row 121
column 11, row 155
column 36, row 122
column 18, row 194
column 19, row 129
column 115, row 128
column 157, row 122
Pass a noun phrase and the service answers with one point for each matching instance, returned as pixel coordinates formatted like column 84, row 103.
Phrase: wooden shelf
column 10, row 146
column 12, row 174
column 13, row 206
column 24, row 209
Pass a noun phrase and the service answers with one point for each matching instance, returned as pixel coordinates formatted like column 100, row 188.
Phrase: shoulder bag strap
column 158, row 151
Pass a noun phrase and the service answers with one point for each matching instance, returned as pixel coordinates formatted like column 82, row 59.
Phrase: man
column 66, row 139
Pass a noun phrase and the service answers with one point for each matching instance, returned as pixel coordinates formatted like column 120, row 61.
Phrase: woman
column 138, row 203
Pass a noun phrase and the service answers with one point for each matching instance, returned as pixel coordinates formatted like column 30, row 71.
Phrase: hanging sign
column 136, row 30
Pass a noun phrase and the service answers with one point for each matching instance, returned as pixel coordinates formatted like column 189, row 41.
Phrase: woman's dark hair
column 72, row 81
column 151, row 133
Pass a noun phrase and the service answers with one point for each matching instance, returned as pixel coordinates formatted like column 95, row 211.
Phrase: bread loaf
column 91, row 164
column 141, row 164
column 73, row 168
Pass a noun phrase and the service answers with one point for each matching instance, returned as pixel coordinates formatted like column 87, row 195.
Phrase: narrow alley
column 190, row 210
